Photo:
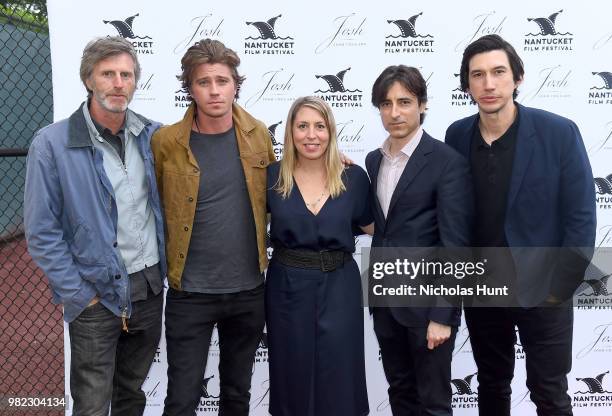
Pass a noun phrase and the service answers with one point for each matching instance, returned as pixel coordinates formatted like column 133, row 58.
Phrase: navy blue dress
column 315, row 318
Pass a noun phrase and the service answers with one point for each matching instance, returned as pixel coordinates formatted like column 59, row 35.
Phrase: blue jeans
column 109, row 365
column 190, row 318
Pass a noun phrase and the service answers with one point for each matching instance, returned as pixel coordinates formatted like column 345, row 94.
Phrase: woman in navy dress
column 313, row 292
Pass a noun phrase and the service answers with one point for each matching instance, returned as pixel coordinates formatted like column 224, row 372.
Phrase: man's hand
column 345, row 160
column 437, row 334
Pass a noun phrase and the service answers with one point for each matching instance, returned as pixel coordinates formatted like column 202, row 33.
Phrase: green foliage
column 28, row 15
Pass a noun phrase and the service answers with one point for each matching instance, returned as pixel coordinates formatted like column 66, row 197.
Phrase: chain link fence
column 31, row 330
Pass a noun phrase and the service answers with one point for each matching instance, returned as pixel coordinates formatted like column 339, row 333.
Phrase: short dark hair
column 489, row 43
column 408, row 76
column 208, row 51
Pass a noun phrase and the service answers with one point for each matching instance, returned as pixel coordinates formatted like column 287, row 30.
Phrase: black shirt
column 492, row 171
column 222, row 256
column 115, row 140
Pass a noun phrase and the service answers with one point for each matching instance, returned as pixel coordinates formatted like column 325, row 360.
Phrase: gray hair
column 101, row 48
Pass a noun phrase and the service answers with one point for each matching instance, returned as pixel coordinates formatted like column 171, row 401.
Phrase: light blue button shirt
column 136, row 236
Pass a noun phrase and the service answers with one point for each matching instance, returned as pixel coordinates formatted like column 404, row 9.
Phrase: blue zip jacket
column 70, row 215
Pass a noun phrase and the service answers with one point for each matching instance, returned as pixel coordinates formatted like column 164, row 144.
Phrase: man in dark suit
column 421, row 198
column 534, row 188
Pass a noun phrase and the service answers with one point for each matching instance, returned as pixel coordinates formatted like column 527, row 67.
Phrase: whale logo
column 603, row 186
column 599, row 287
column 335, row 82
column 266, row 29
column 124, row 27
column 594, row 384
column 546, row 25
column 407, row 28
column 463, row 385
column 272, row 131
column 607, row 79
column 205, row 393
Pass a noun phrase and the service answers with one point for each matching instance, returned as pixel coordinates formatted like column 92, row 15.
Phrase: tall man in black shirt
column 534, row 188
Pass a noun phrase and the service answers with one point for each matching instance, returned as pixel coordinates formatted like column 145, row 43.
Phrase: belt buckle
column 327, row 261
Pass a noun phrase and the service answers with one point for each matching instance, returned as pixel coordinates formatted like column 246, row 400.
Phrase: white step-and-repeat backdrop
column 287, row 48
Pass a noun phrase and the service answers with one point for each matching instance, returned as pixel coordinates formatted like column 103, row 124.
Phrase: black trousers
column 190, row 319
column 546, row 337
column 419, row 379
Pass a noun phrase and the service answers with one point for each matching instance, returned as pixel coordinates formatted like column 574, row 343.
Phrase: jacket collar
column 417, row 162
column 78, row 130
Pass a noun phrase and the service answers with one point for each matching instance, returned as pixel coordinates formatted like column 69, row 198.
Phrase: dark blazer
column 551, row 201
column 432, row 206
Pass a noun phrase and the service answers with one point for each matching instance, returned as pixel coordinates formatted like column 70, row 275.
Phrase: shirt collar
column 504, row 141
column 132, row 123
column 407, row 150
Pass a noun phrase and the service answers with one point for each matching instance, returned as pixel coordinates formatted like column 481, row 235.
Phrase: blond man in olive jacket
column 211, row 173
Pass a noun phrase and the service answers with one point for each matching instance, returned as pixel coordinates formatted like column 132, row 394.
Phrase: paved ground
column 31, row 333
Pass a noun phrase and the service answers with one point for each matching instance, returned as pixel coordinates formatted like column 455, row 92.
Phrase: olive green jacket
column 178, row 179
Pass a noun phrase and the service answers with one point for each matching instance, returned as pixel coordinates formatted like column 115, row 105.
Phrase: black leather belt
column 326, row 261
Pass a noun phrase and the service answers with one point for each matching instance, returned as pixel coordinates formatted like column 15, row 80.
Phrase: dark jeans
column 546, row 338
column 109, row 365
column 419, row 378
column 190, row 318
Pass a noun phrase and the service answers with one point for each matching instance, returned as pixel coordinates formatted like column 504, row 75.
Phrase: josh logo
column 553, row 82
column 350, row 136
column 337, row 95
column 601, row 92
column 142, row 44
column 151, row 390
column 605, row 239
column 209, row 400
column 277, row 143
column 261, row 355
column 595, row 294
column 262, row 399
column 462, row 342
column 602, row 42
column 406, row 39
column 348, row 31
column 605, row 143
column 144, row 88
column 594, row 393
column 275, row 86
column 483, row 24
column 459, row 98
column 464, row 397
column 547, row 38
column 601, row 342
column 518, row 399
column 268, row 42
column 603, row 187
column 200, row 27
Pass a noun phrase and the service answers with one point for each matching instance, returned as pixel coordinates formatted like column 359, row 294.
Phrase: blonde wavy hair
column 333, row 164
